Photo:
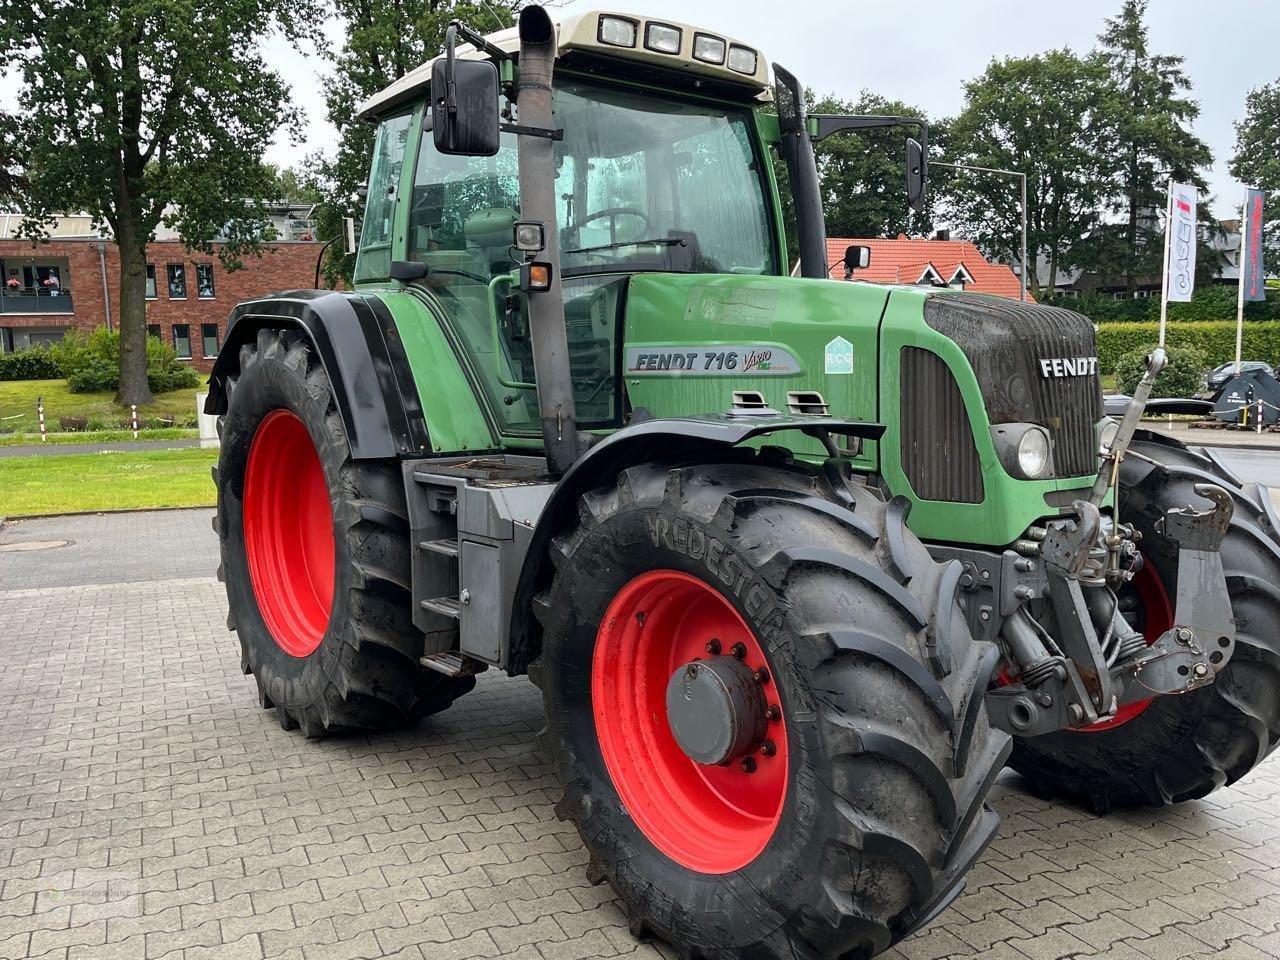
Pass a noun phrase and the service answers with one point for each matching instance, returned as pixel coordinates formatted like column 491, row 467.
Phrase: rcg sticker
column 720, row 360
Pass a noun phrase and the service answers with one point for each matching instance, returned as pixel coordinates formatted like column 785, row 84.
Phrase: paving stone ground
column 149, row 809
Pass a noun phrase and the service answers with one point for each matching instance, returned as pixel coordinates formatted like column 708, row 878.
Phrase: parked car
column 1219, row 375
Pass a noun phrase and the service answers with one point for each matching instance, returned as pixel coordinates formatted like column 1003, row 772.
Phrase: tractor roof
column 654, row 43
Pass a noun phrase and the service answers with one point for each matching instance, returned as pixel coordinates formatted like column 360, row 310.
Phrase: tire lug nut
column 761, row 675
column 713, row 647
column 768, row 748
column 748, row 764
column 739, row 650
column 773, row 713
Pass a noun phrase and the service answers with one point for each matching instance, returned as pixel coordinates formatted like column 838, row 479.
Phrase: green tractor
column 799, row 565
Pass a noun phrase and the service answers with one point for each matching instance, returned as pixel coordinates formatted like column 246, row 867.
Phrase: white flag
column 1182, row 242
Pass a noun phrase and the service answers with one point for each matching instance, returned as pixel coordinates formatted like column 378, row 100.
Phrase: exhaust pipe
column 536, row 153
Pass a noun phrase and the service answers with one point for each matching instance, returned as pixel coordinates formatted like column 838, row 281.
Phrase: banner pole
column 1164, row 282
column 1242, row 261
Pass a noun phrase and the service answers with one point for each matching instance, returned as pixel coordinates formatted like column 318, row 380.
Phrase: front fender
column 673, row 440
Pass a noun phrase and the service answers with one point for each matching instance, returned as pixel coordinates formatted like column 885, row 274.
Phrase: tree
column 1256, row 161
column 293, row 185
column 863, row 173
column 385, row 40
column 1153, row 141
column 1045, row 116
column 140, row 112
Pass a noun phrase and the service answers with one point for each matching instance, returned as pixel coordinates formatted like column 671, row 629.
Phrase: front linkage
column 1072, row 658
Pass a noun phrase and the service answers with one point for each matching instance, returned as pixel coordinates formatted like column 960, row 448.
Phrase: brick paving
column 149, row 809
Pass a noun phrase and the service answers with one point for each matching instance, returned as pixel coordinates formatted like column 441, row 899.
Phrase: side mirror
column 464, row 104
column 406, row 271
column 917, row 175
column 856, row 257
column 348, row 235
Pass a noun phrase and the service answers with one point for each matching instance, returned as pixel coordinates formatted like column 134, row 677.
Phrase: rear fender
column 372, row 383
column 676, row 440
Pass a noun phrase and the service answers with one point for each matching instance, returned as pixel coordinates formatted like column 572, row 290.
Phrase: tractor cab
column 671, row 180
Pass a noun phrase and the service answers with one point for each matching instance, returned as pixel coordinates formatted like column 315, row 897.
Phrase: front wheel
column 1176, row 748
column 767, row 712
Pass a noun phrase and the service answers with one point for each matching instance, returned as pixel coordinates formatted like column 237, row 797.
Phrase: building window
column 151, row 283
column 153, row 330
column 177, row 282
column 204, row 281
column 182, row 341
column 209, row 340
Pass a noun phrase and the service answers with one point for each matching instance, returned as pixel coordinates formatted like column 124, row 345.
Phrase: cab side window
column 374, row 259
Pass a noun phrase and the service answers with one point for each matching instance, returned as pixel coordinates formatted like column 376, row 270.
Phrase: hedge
column 1181, row 378
column 34, row 364
column 1210, row 302
column 1215, row 339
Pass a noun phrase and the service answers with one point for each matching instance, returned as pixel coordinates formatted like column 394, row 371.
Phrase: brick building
column 73, row 281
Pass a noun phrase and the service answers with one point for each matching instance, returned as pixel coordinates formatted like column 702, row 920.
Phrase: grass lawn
column 99, row 436
column 18, row 406
column 117, row 480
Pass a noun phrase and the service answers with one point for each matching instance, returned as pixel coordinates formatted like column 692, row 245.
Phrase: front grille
column 939, row 456
column 1004, row 341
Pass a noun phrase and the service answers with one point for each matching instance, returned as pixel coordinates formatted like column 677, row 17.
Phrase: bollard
column 1259, row 425
column 40, row 412
column 1171, row 423
column 134, row 408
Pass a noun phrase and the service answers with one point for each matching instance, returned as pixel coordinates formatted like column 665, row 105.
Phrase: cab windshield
column 642, row 184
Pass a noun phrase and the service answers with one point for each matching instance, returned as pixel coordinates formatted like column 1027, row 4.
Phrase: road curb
column 94, row 513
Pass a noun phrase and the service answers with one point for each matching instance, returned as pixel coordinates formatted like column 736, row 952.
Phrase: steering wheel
column 613, row 213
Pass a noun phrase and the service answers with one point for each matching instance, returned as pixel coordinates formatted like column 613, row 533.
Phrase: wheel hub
column 716, row 710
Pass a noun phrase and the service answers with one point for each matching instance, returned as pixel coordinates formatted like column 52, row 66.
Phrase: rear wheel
column 315, row 554
column 766, row 709
column 1176, row 748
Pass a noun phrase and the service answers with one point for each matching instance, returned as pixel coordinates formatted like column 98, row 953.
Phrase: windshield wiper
column 656, row 241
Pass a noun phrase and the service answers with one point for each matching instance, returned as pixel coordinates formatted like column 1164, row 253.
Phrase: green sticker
column 838, row 357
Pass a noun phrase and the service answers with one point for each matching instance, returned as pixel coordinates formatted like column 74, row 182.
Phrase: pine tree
column 1153, row 117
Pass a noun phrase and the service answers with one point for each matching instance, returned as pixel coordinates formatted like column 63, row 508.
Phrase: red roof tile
column 904, row 260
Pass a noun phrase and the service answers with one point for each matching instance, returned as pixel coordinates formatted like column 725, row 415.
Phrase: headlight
column 617, row 31
column 1033, row 453
column 662, row 38
column 1107, row 429
column 742, row 59
column 1023, row 448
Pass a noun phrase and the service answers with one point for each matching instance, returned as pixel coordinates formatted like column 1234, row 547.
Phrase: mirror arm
column 476, row 40
column 827, row 124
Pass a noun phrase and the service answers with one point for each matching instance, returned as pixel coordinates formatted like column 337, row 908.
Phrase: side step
column 445, row 606
column 445, row 548
column 454, row 664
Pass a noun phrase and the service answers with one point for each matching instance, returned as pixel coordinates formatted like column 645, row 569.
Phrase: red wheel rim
column 712, row 819
column 1157, row 618
column 288, row 533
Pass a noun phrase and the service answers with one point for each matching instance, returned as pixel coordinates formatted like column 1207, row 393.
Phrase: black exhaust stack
column 537, row 203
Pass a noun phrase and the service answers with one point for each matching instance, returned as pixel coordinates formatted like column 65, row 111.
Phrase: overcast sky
column 923, row 51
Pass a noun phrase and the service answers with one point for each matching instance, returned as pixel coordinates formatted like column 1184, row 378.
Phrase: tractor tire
column 856, row 820
column 316, row 554
column 1176, row 748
